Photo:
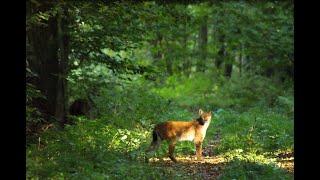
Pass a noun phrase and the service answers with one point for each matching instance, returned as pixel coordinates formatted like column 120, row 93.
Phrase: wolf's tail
column 155, row 141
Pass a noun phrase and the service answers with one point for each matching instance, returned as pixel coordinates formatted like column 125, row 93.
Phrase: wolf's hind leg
column 171, row 151
column 155, row 144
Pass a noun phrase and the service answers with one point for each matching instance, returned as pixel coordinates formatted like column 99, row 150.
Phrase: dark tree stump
column 80, row 107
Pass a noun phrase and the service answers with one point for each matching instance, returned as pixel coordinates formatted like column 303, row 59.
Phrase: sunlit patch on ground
column 208, row 168
column 286, row 161
column 287, row 164
column 211, row 167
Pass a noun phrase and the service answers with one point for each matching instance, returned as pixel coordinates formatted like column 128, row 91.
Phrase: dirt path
column 209, row 168
column 286, row 161
column 212, row 166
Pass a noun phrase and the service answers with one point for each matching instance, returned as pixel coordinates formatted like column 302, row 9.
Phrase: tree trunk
column 269, row 71
column 44, row 63
column 221, row 52
column 203, row 41
column 241, row 60
column 167, row 60
column 63, row 41
column 186, row 62
column 220, row 36
column 228, row 69
column 49, row 62
column 240, row 64
column 228, row 64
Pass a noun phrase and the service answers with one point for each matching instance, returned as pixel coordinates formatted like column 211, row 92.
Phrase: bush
column 131, row 106
column 211, row 91
column 246, row 91
column 258, row 130
column 34, row 118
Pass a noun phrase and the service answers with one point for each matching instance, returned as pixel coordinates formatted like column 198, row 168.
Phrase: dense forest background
column 100, row 75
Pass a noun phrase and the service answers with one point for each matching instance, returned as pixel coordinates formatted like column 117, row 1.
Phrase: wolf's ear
column 210, row 112
column 200, row 111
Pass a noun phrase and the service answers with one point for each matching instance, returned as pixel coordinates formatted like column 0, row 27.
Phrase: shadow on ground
column 208, row 168
column 217, row 167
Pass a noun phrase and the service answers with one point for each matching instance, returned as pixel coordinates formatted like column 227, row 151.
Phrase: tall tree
column 63, row 44
column 220, row 36
column 47, row 38
column 203, row 41
column 228, row 67
column 222, row 51
column 186, row 60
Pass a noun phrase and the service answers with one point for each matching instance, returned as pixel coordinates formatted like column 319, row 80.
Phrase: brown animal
column 174, row 131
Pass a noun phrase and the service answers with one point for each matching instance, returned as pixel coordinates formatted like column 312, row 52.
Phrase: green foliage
column 131, row 105
column 137, row 65
column 242, row 91
column 88, row 79
column 286, row 104
column 261, row 32
column 213, row 91
column 87, row 148
column 258, row 130
column 182, row 89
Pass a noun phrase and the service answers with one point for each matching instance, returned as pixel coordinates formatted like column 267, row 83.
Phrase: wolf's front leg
column 199, row 150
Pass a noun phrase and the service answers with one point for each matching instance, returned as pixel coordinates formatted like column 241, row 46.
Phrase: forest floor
column 212, row 165
column 286, row 161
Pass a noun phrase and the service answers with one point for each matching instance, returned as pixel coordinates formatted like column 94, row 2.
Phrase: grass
column 89, row 149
